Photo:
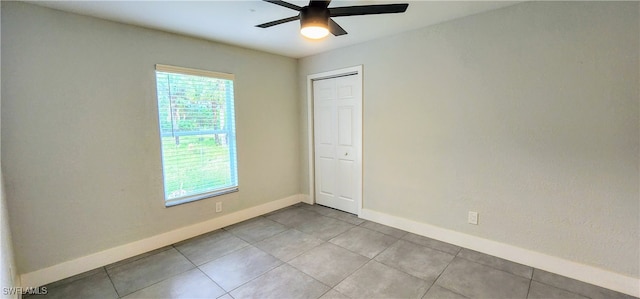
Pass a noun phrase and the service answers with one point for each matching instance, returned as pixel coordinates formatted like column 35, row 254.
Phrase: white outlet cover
column 473, row 218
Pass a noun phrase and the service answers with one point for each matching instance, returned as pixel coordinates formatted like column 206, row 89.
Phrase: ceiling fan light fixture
column 314, row 23
column 314, row 32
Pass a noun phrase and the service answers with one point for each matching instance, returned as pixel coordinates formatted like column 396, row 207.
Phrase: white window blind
column 197, row 131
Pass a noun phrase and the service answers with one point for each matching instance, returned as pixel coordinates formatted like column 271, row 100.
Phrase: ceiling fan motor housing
column 314, row 16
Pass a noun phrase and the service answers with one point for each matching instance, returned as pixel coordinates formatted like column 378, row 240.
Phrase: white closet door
column 338, row 142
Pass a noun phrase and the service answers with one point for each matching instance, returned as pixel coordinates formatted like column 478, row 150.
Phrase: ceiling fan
column 315, row 18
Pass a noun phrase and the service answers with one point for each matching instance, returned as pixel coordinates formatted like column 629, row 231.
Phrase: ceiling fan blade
column 367, row 10
column 319, row 3
column 278, row 22
column 335, row 29
column 284, row 4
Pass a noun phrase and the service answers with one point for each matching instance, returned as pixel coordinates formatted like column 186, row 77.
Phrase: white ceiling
column 233, row 22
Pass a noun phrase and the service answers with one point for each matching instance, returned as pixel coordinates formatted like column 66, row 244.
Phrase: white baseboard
column 306, row 199
column 112, row 255
column 589, row 274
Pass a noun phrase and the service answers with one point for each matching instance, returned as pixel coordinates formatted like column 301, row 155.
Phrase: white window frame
column 231, row 136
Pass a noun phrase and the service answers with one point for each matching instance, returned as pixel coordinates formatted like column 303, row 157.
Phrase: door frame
column 310, row 128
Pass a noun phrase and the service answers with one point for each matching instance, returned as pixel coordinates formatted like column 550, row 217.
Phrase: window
column 197, row 132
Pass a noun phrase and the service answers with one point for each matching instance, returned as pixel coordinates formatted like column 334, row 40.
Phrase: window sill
column 187, row 199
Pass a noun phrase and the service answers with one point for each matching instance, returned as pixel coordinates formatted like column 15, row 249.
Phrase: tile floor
column 307, row 251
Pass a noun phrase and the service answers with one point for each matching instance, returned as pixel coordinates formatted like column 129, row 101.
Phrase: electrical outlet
column 218, row 207
column 473, row 218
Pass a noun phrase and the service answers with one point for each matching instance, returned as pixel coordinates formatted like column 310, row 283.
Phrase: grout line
column 215, row 282
column 401, row 270
column 439, row 275
column 160, row 281
column 167, row 278
column 349, row 250
column 329, row 290
column 396, row 268
column 268, row 270
column 350, row 274
column 428, row 289
column 529, row 288
column 301, row 253
column 238, row 235
column 443, row 270
column 572, row 292
column 494, row 268
column 319, row 213
column 379, row 253
column 186, row 257
column 456, row 254
column 229, row 228
column 373, row 230
column 111, row 280
column 190, row 261
column 76, row 278
column 228, row 253
column 277, row 234
column 450, row 291
column 336, row 211
column 342, row 233
column 250, row 280
column 138, row 257
column 392, row 228
column 322, row 240
column 177, row 274
column 459, row 249
column 313, row 278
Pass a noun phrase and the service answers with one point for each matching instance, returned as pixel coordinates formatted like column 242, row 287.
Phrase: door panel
column 337, row 104
column 323, row 130
column 345, row 125
column 345, row 91
column 326, row 180
column 345, row 179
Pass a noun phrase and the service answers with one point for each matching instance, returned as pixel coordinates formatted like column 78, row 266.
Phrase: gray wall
column 527, row 115
column 8, row 275
column 80, row 145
